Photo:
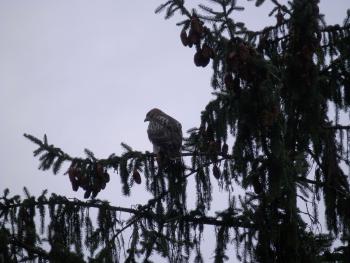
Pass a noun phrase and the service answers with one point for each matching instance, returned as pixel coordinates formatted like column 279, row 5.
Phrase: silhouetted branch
column 323, row 185
column 141, row 212
column 282, row 7
column 337, row 127
column 30, row 249
column 333, row 28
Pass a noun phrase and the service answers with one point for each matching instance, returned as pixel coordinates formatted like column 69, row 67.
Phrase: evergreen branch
column 49, row 148
column 60, row 200
column 139, row 213
column 314, row 157
column 337, row 127
column 132, row 221
column 323, row 184
column 282, row 7
column 303, row 179
column 333, row 65
column 333, row 28
column 162, row 7
column 227, row 21
column 178, row 4
column 110, row 161
column 266, row 30
column 204, row 220
column 30, row 249
column 153, row 202
column 165, row 193
column 332, row 257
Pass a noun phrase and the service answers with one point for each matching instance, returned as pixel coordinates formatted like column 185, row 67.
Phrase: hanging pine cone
column 197, row 25
column 197, row 59
column 207, row 51
column 98, row 183
column 232, row 61
column 72, row 172
column 106, row 177
column 228, row 80
column 87, row 194
column 244, row 53
column 83, row 182
column 95, row 192
column 103, row 185
column 75, row 186
column 200, row 60
column 237, row 86
column 257, row 185
column 224, row 150
column 74, row 175
column 279, row 18
column 193, row 38
column 213, row 151
column 209, row 133
column 99, row 170
column 216, row 171
column 218, row 146
column 184, row 38
column 137, row 177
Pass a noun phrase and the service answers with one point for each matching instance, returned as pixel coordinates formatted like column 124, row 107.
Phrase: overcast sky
column 85, row 72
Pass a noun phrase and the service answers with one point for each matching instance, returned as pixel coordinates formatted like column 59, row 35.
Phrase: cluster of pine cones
column 197, row 32
column 91, row 180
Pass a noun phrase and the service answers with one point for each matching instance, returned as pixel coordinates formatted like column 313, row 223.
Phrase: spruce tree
column 269, row 130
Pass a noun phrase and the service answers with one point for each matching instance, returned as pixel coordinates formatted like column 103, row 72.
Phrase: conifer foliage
column 269, row 130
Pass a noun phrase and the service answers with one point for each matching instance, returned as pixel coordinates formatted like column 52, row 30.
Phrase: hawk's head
column 152, row 113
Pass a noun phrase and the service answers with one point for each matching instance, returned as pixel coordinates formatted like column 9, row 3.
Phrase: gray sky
column 85, row 72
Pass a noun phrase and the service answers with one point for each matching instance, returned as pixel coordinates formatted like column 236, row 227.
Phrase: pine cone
column 207, row 51
column 228, row 80
column 137, row 177
column 184, row 38
column 193, row 38
column 200, row 60
column 75, row 186
column 216, row 171
column 72, row 173
column 83, row 182
column 74, row 176
column 244, row 53
column 279, row 18
column 106, row 177
column 99, row 170
column 95, row 192
column 224, row 150
column 87, row 194
column 232, row 61
column 197, row 25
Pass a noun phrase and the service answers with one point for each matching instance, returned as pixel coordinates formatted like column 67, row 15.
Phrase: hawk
column 165, row 133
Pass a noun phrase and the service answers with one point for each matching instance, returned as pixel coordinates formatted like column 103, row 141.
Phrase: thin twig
column 282, row 7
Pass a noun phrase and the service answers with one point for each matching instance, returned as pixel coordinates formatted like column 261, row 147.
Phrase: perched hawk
column 164, row 132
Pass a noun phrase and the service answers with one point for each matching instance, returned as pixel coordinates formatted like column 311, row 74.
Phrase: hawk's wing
column 166, row 133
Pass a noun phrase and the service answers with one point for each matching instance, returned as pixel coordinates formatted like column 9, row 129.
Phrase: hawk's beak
column 146, row 119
